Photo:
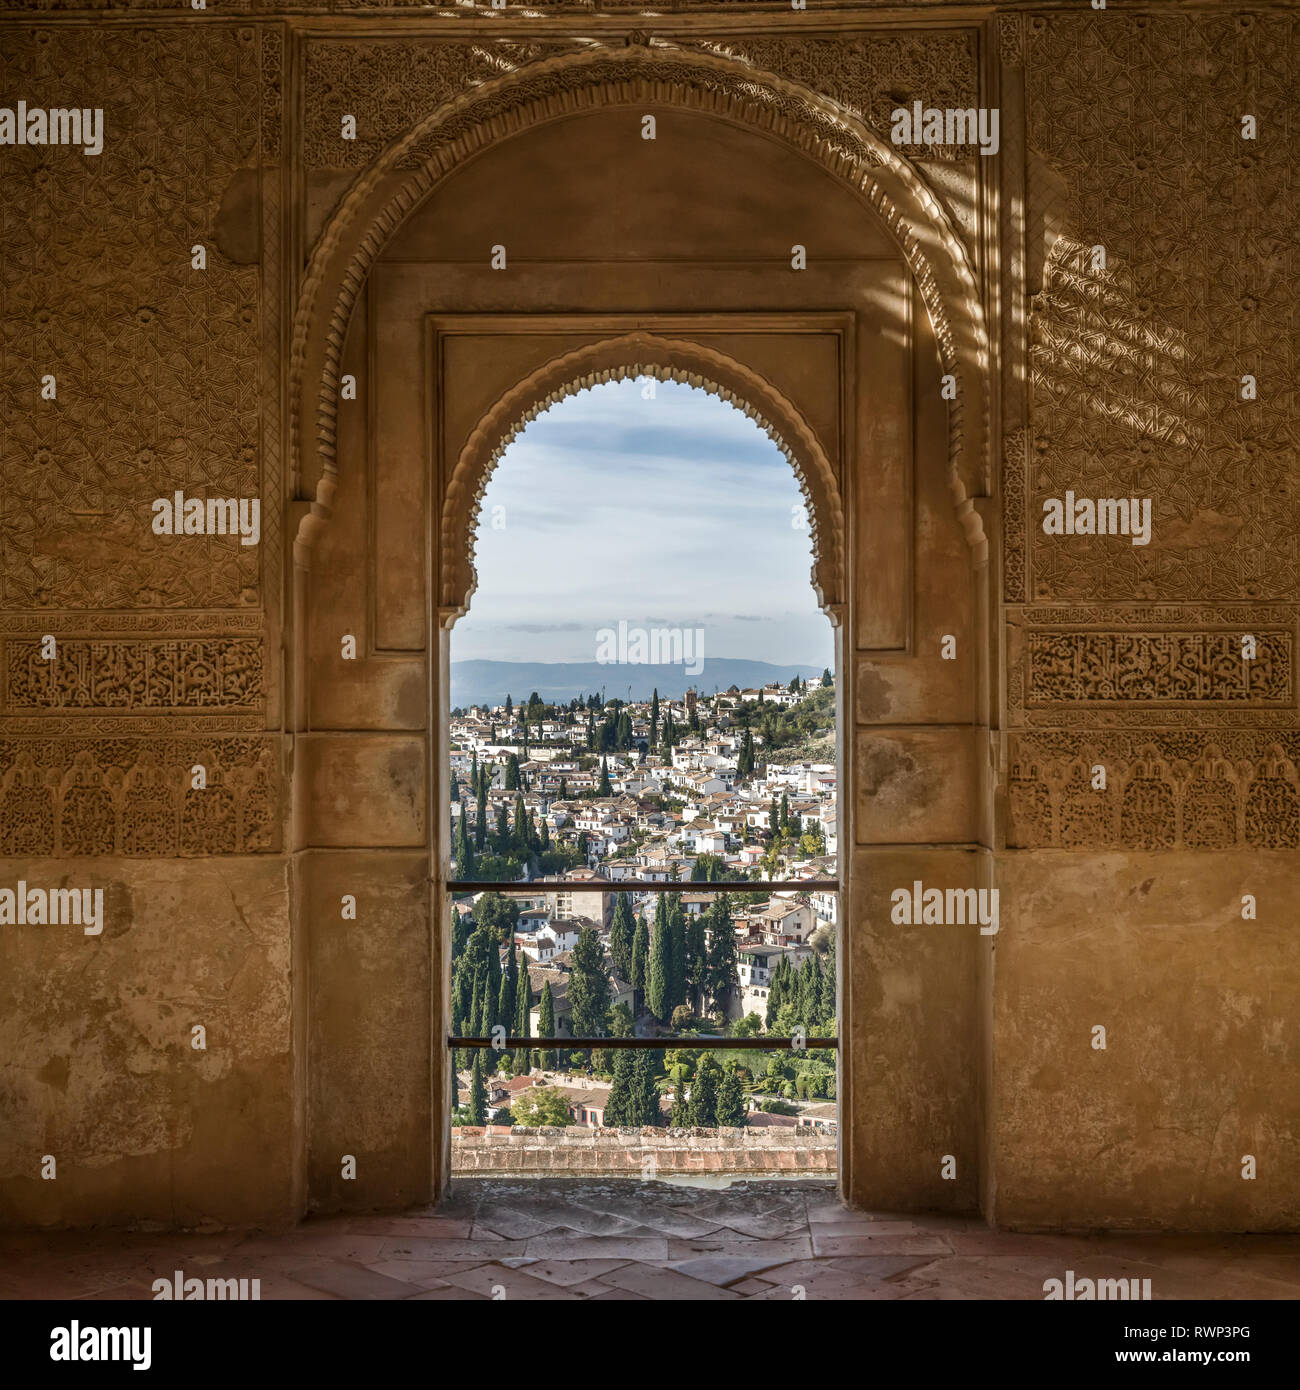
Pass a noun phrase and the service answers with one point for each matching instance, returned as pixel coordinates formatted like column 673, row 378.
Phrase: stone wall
column 1122, row 905
column 553, row 1152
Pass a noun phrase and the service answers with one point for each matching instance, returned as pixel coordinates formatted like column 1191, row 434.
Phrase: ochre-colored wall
column 1120, row 908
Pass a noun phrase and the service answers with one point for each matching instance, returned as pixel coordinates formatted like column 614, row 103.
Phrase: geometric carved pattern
column 548, row 89
column 1136, row 369
column 1163, row 791
column 388, row 86
column 157, row 365
column 872, row 74
column 1147, row 667
column 133, row 796
column 134, row 674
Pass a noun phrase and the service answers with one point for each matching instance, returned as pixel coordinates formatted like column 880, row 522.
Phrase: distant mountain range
column 489, row 682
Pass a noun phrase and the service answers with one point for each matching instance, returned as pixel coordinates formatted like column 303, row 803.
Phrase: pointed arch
column 619, row 358
column 552, row 89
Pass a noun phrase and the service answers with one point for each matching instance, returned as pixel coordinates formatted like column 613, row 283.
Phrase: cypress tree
column 677, row 950
column 546, row 1024
column 660, row 983
column 480, row 819
column 464, row 854
column 697, row 961
column 604, row 789
column 645, row 1094
column 476, row 1026
column 506, row 993
column 512, row 773
column 618, row 1108
column 588, row 986
column 503, row 830
column 564, row 789
column 640, row 955
column 492, row 985
column 730, row 1111
column 722, row 953
column 680, row 1116
column 544, row 837
column 477, row 1092
column 704, row 1094
column 654, row 717
column 523, row 1000
column 621, row 931
column 521, row 825
column 455, row 789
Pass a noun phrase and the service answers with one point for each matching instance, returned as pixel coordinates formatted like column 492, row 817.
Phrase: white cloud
column 619, row 507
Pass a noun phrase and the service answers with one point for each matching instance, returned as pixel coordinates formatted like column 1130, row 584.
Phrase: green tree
column 697, row 959
column 523, row 1002
column 464, row 853
column 704, row 1094
column 645, row 1094
column 826, row 679
column 621, row 932
column 722, row 978
column 677, row 950
column 480, row 817
column 506, row 991
column 512, row 773
column 540, row 1105
column 546, row 1025
column 730, row 1110
column 604, row 789
column 639, row 979
column 618, row 1108
column 659, row 985
column 477, row 1092
column 588, row 986
column 654, row 717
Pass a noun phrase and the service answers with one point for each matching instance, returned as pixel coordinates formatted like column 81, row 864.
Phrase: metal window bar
column 657, row 1044
column 739, row 885
column 820, row 885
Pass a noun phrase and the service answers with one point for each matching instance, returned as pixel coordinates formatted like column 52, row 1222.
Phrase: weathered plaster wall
column 97, row 1063
column 1121, row 908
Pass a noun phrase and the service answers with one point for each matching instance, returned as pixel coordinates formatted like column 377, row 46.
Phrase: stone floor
column 586, row 1239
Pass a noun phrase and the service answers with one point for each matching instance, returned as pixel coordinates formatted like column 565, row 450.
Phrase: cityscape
column 735, row 788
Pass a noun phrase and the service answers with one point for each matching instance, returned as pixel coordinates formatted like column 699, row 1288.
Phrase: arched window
column 643, row 707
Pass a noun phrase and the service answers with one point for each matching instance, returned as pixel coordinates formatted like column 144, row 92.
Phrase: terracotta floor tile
column 570, row 1273
column 576, row 1247
column 507, row 1285
column 355, row 1281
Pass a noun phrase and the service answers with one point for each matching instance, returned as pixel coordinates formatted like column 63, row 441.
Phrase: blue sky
column 675, row 512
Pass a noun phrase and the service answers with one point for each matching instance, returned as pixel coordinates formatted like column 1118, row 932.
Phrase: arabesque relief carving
column 135, row 796
column 157, row 365
column 1163, row 790
column 1137, row 369
column 134, row 674
column 1157, row 667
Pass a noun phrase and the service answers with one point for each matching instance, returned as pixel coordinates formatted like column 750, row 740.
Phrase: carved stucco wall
column 171, row 380
column 166, row 379
column 1123, row 655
